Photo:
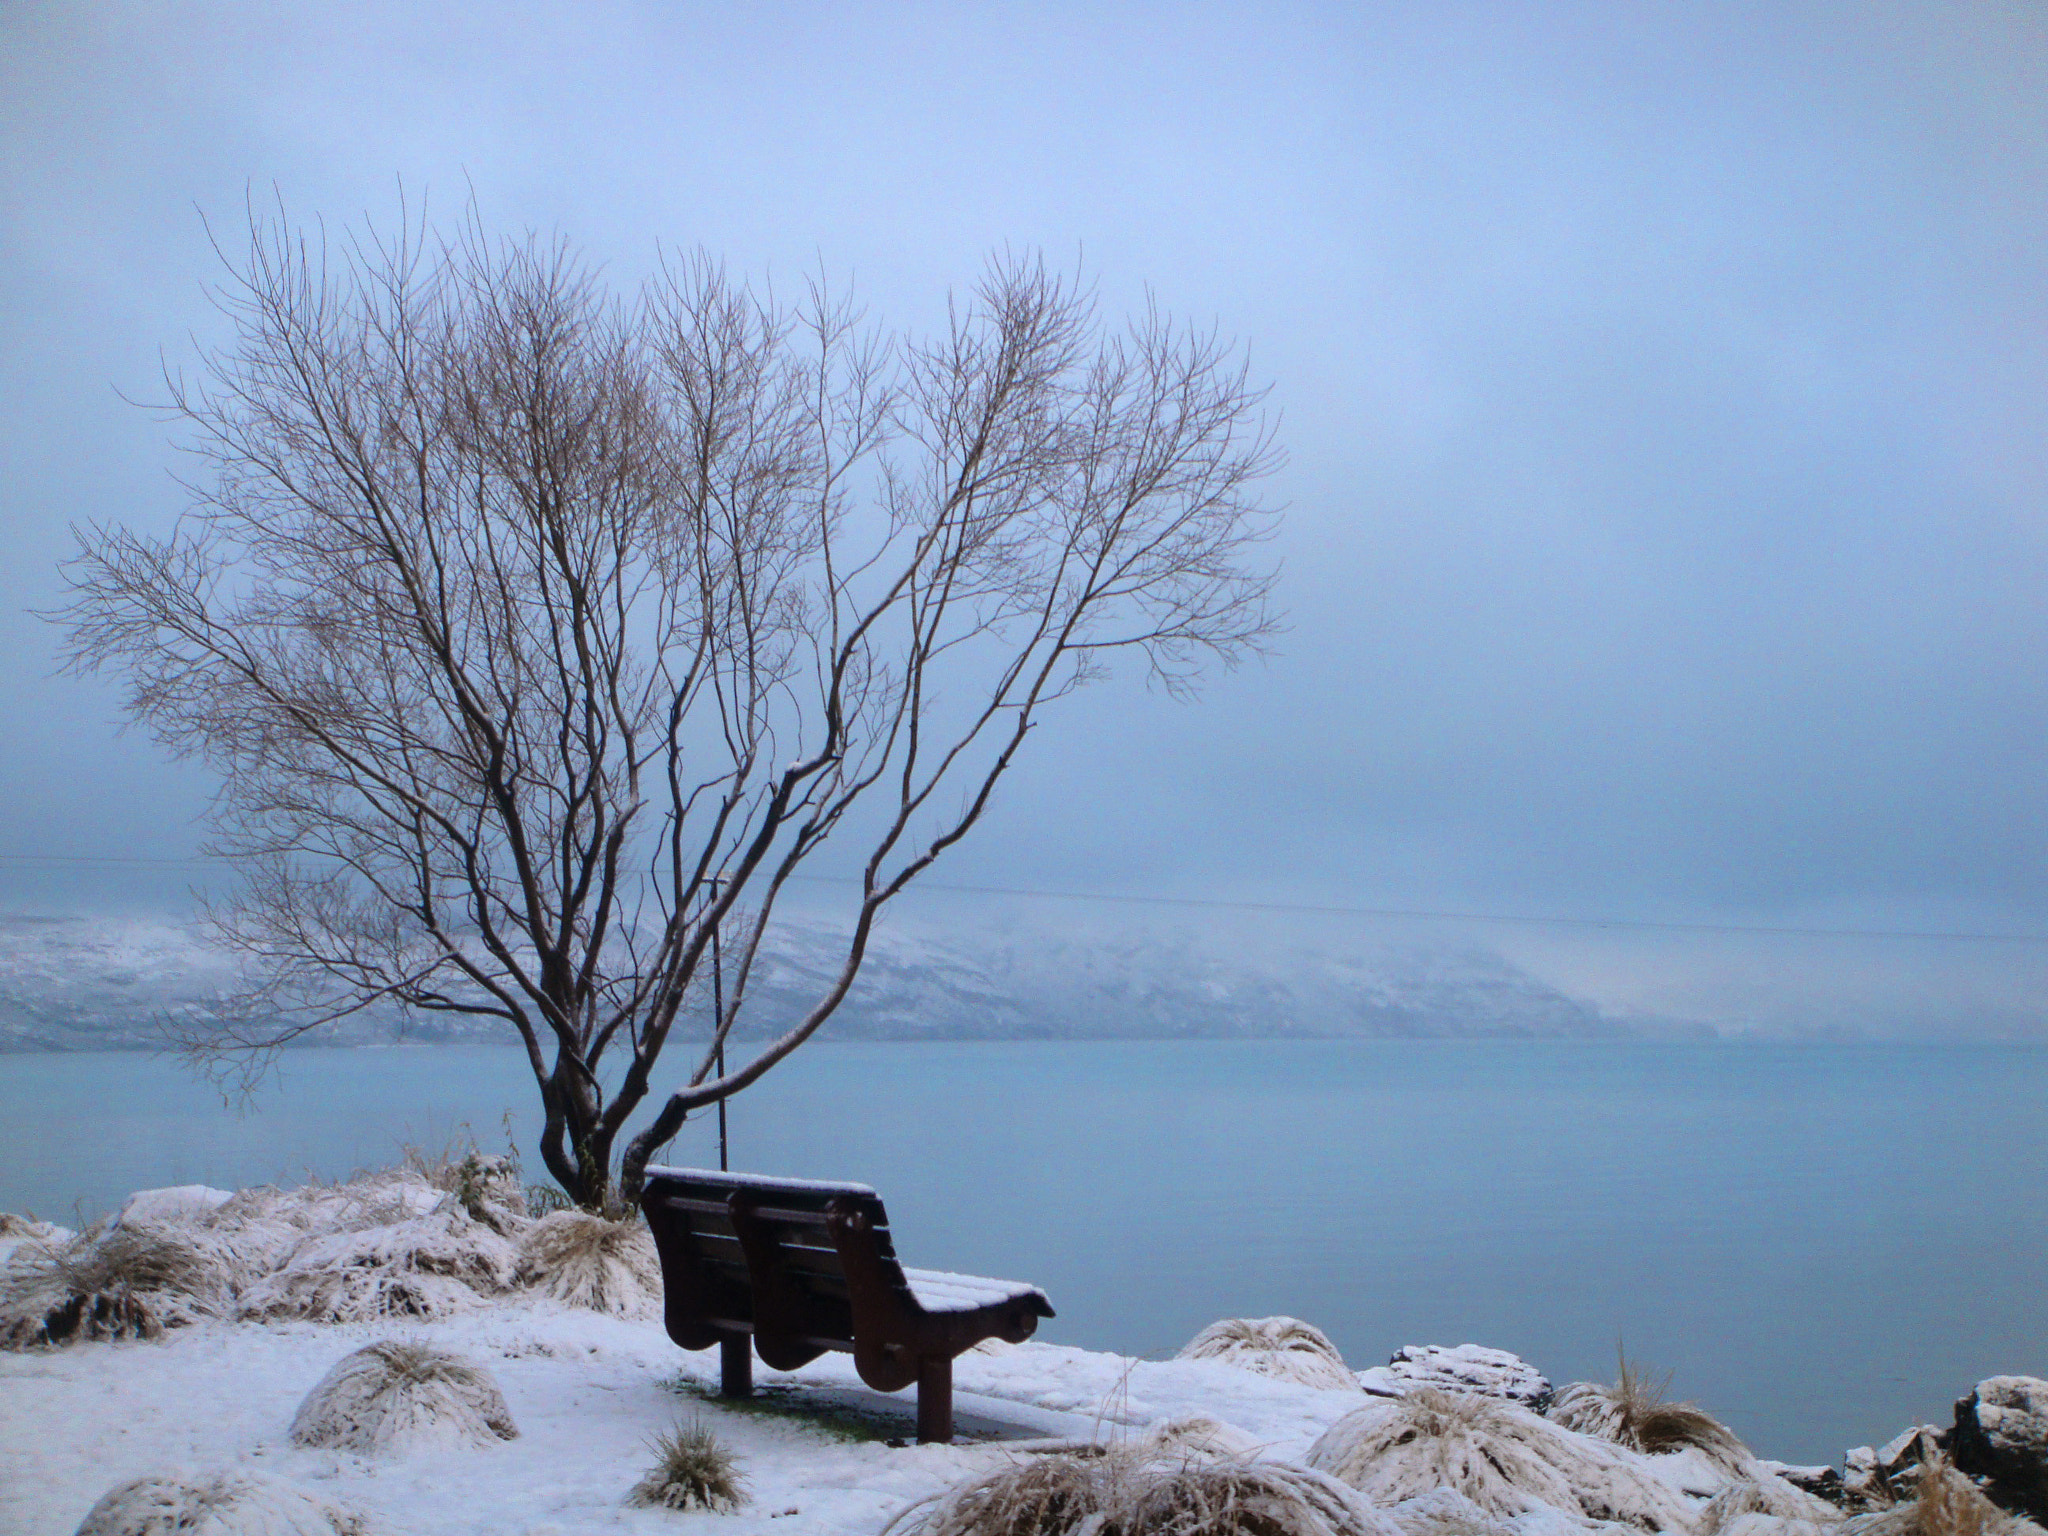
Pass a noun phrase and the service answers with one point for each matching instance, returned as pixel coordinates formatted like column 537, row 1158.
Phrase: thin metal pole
column 717, row 1022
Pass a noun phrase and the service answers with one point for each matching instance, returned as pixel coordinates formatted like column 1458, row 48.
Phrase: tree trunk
column 633, row 1166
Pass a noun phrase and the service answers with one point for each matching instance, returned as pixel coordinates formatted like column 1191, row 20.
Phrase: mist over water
column 1824, row 1244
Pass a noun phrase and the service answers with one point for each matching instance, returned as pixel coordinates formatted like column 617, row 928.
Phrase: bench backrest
column 704, row 1222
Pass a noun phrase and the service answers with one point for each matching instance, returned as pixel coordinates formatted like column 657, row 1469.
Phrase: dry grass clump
column 1196, row 1437
column 1052, row 1495
column 584, row 1260
column 1635, row 1412
column 485, row 1184
column 425, row 1267
column 1504, row 1458
column 1444, row 1512
column 693, row 1469
column 1247, row 1498
column 396, row 1395
column 1945, row 1503
column 216, row 1504
column 1282, row 1347
column 1762, row 1493
column 128, row 1282
column 1118, row 1493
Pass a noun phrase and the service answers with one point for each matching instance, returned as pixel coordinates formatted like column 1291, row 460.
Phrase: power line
column 1306, row 909
column 85, row 858
column 1300, row 909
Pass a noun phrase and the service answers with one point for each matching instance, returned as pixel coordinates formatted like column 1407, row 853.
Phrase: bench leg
column 736, row 1365
column 934, row 1401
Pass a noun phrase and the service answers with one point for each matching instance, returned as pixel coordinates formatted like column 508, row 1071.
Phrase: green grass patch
column 800, row 1405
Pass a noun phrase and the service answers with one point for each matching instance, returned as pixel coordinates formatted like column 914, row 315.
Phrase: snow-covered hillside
column 101, row 983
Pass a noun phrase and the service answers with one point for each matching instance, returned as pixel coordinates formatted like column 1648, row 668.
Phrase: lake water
column 1823, row 1244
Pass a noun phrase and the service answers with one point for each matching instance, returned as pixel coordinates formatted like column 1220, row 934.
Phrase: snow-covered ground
column 252, row 1300
column 587, row 1392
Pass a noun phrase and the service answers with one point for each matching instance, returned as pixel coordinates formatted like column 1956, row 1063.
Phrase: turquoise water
column 1824, row 1244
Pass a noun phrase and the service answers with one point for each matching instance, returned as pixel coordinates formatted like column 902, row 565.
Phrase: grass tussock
column 1637, row 1412
column 1504, row 1458
column 1281, row 1347
column 486, row 1184
column 1445, row 1512
column 1729, row 1511
column 131, row 1282
column 421, row 1267
column 1121, row 1493
column 1945, row 1503
column 584, row 1260
column 1196, row 1437
column 398, row 1395
column 216, row 1504
column 693, row 1469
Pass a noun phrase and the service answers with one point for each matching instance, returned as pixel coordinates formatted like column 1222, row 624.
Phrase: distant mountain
column 99, row 984
column 916, row 985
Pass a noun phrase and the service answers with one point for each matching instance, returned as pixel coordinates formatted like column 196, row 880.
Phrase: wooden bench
column 791, row 1268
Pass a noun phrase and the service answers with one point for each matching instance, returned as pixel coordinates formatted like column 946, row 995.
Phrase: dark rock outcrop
column 2001, row 1440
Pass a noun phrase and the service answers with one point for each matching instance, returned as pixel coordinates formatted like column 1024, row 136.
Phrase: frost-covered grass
column 352, row 1358
column 1637, row 1412
column 1944, row 1503
column 217, row 1504
column 1504, row 1458
column 587, row 1261
column 1124, row 1492
column 693, row 1469
column 400, row 1394
column 1284, row 1347
column 442, row 1235
column 121, row 1282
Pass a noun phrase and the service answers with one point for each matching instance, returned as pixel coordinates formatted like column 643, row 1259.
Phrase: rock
column 1821, row 1482
column 2001, row 1440
column 1878, row 1478
column 180, row 1202
column 1465, row 1368
column 1901, row 1457
column 1863, row 1484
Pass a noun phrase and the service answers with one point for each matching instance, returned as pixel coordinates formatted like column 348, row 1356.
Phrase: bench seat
column 790, row 1268
column 938, row 1291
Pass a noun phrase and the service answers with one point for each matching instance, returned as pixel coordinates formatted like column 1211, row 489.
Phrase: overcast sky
column 1664, row 387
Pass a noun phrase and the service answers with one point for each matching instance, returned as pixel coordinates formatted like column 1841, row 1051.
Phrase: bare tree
column 536, row 631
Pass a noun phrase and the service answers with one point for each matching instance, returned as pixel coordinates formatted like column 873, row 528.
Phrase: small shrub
column 1445, row 1512
column 1764, row 1494
column 485, row 1184
column 1282, row 1347
column 111, row 1283
column 693, row 1469
column 1055, row 1495
column 216, row 1504
column 1504, row 1458
column 1636, row 1413
column 1248, row 1498
column 1195, row 1437
column 1117, row 1493
column 584, row 1260
column 1945, row 1503
column 422, row 1267
column 395, row 1395
column 546, row 1199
